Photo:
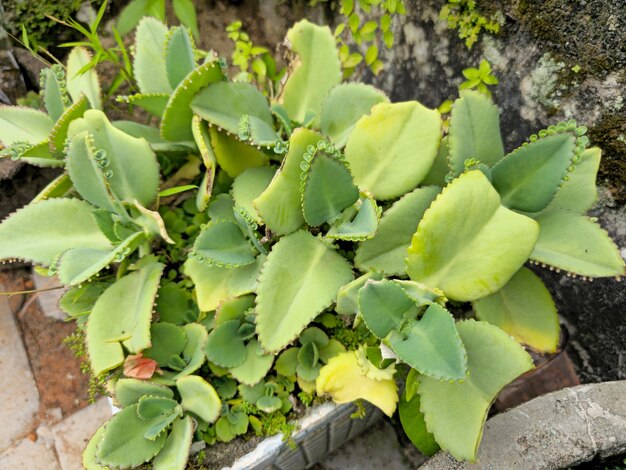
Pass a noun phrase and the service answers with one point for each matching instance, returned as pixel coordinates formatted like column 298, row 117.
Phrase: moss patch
column 610, row 135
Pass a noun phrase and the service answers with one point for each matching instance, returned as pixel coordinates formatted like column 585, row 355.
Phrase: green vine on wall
column 469, row 21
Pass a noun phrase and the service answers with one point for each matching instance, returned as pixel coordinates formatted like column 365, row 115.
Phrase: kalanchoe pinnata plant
column 243, row 255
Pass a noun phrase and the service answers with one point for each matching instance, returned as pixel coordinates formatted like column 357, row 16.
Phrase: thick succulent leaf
column 345, row 380
column 40, row 232
column 193, row 352
column 414, row 426
column 225, row 347
column 391, row 150
column 249, row 185
column 78, row 265
column 228, row 105
column 214, row 284
column 287, row 362
column 179, row 55
column 175, row 452
column 154, row 103
column 57, row 188
column 359, row 226
column 474, row 132
column 223, row 243
column 54, row 93
column 177, row 117
column 467, row 244
column 422, row 294
column 134, row 171
column 172, row 304
column 579, row 192
column 529, row 177
column 38, row 155
column 348, row 296
column 199, row 397
column 301, row 277
column 87, row 173
column 19, row 124
column 149, row 62
column 387, row 250
column 576, row 244
column 279, row 206
column 234, row 308
column 344, row 106
column 256, row 365
column 129, row 391
column 201, row 136
column 439, row 171
column 82, row 83
column 384, row 306
column 431, row 345
column 525, row 310
column 89, row 460
column 233, row 155
column 58, row 135
column 455, row 412
column 123, row 443
column 316, row 71
column 122, row 314
column 149, row 407
column 167, row 340
column 328, row 190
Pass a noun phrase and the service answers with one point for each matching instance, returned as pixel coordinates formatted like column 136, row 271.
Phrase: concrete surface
column 555, row 431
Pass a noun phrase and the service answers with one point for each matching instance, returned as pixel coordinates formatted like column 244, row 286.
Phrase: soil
column 617, row 462
column 63, row 388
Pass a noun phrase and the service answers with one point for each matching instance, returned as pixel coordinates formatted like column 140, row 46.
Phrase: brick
column 28, row 455
column 72, row 434
column 18, row 391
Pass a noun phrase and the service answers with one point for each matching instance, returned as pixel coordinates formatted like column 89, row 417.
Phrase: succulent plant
column 245, row 251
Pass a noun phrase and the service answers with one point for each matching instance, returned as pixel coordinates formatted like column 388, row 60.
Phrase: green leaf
column 279, row 205
column 179, row 55
column 154, row 103
column 348, row 296
column 58, row 134
column 130, row 179
column 186, row 13
column 78, row 265
column 371, row 55
column 234, row 156
column 414, row 426
column 328, row 190
column 199, row 397
column 123, row 443
column 19, row 124
column 175, row 452
column 525, row 310
column 178, row 115
column 129, row 391
column 40, row 232
column 234, row 308
column 225, row 347
column 494, row 359
column 229, row 104
column 256, row 365
column 54, row 95
column 287, row 362
column 579, row 192
column 576, row 244
column 131, row 14
column 431, row 345
column 231, row 425
column 82, row 83
column 172, row 304
column 177, row 190
column 387, row 250
column 167, row 340
column 384, row 305
column 391, row 150
column 149, row 407
column 438, row 172
column 223, row 243
column 358, row 222
column 122, row 316
column 149, row 65
column 467, row 244
column 80, row 300
column 474, row 132
column 301, row 277
column 249, row 185
column 344, row 106
column 317, row 70
column 193, row 352
column 201, row 136
column 528, row 178
column 214, row 284
column 89, row 460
